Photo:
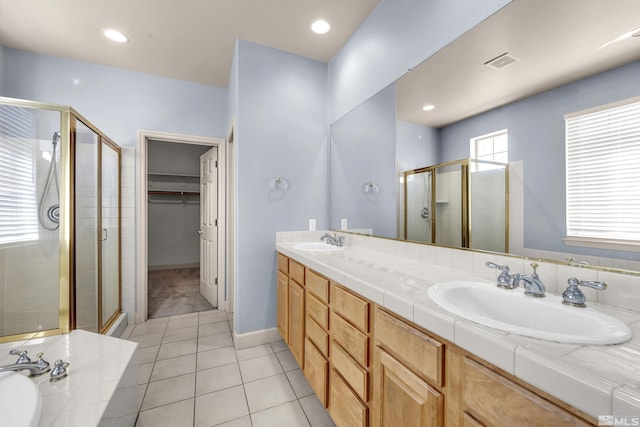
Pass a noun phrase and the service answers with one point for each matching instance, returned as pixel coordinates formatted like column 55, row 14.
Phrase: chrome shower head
column 56, row 137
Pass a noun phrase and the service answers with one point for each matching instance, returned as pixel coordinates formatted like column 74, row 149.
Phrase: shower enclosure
column 59, row 222
column 460, row 204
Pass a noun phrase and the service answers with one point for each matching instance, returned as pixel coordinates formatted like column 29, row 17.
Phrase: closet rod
column 175, row 193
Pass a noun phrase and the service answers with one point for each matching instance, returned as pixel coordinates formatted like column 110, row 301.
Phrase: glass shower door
column 86, row 226
column 110, row 235
column 450, row 207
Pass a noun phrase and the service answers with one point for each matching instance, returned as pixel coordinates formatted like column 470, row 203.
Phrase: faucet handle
column 573, row 296
column 504, row 279
column 535, row 266
column 23, row 358
column 59, row 370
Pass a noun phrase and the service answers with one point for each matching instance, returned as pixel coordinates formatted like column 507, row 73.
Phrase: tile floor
column 191, row 375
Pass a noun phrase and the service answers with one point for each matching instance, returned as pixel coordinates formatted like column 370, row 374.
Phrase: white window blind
column 603, row 173
column 18, row 205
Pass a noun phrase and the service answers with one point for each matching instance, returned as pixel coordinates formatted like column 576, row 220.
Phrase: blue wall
column 117, row 101
column 416, row 146
column 368, row 132
column 397, row 36
column 536, row 136
column 281, row 131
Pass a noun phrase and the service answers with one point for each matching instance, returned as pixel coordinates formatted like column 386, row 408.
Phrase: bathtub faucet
column 23, row 363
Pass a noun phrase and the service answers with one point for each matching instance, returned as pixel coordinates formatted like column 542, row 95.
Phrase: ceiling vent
column 501, row 61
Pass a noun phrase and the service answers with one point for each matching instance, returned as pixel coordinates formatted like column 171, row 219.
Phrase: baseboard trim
column 251, row 339
column 173, row 266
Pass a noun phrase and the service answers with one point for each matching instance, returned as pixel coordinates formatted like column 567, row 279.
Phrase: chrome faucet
column 533, row 286
column 573, row 296
column 333, row 240
column 23, row 363
column 504, row 280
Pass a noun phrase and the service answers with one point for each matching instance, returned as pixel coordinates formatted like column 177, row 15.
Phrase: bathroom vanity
column 378, row 352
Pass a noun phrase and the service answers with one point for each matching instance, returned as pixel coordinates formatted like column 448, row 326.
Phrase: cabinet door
column 401, row 398
column 296, row 321
column 283, row 306
column 316, row 369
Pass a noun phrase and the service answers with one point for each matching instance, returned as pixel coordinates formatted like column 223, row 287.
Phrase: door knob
column 200, row 232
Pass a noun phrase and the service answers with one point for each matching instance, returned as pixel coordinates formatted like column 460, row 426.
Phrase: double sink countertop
column 598, row 380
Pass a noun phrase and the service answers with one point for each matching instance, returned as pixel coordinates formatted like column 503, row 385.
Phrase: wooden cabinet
column 283, row 306
column 316, row 363
column 296, row 321
column 350, row 357
column 402, row 397
column 371, row 367
column 408, row 375
column 486, row 397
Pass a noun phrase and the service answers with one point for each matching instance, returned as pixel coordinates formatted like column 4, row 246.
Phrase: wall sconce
column 370, row 188
column 279, row 183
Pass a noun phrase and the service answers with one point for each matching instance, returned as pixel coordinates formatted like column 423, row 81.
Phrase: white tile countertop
column 598, row 380
column 101, row 386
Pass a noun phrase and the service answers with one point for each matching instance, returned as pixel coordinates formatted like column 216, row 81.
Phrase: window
column 18, row 206
column 603, row 176
column 493, row 147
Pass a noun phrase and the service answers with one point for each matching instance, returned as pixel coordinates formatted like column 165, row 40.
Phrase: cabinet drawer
column 356, row 343
column 350, row 307
column 296, row 272
column 418, row 351
column 497, row 401
column 318, row 336
column 316, row 369
column 318, row 285
column 345, row 408
column 355, row 375
column 283, row 263
column 318, row 311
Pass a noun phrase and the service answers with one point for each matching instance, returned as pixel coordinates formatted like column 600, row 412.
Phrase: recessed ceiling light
column 320, row 26
column 428, row 107
column 115, row 35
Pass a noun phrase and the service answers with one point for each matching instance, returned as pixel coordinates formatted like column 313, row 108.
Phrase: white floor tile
column 220, row 406
column 268, row 392
column 299, row 382
column 144, row 372
column 211, row 342
column 147, row 340
column 315, row 412
column 218, row 378
column 182, row 321
column 279, row 346
column 260, row 367
column 238, row 422
column 147, row 354
column 213, row 328
column 252, row 352
column 169, row 391
column 287, row 360
column 290, row 415
column 174, row 367
column 212, row 316
column 181, row 334
column 179, row 414
column 149, row 328
column 217, row 357
column 175, row 349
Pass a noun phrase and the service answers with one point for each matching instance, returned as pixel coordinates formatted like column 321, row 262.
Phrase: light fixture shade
column 370, row 187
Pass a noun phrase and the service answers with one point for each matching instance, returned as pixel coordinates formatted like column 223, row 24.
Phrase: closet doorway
column 181, row 224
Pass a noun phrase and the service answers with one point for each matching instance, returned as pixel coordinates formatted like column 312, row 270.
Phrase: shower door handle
column 105, row 234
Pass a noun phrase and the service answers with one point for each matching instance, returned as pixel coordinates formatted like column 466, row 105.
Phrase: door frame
column 144, row 137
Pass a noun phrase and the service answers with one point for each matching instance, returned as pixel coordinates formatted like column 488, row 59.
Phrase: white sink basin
column 317, row 247
column 543, row 318
column 20, row 400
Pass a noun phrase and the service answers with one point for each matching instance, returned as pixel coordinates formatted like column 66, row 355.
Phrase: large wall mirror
column 561, row 57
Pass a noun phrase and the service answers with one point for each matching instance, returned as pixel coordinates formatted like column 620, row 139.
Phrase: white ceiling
column 190, row 40
column 556, row 42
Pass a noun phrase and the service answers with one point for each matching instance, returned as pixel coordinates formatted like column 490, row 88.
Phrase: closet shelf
column 178, row 175
column 173, row 193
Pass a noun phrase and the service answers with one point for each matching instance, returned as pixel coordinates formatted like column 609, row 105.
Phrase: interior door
column 209, row 226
